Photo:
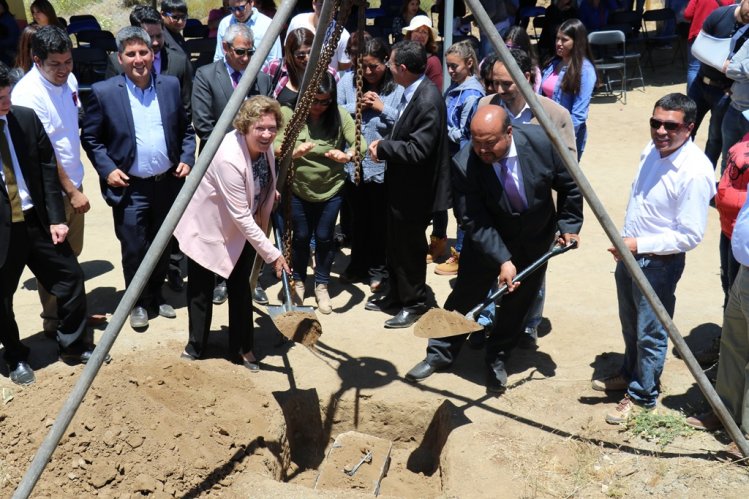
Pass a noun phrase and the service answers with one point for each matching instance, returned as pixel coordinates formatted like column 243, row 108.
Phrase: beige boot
column 297, row 293
column 437, row 247
column 450, row 267
column 323, row 299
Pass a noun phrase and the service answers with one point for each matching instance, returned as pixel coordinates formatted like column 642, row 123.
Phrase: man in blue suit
column 139, row 138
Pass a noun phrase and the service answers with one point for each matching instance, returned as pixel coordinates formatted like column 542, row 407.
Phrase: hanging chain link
column 361, row 21
column 299, row 118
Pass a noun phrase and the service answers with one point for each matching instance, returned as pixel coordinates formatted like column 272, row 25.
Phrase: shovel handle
column 556, row 250
column 284, row 275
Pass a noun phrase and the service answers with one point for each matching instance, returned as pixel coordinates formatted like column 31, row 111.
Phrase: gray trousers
column 733, row 369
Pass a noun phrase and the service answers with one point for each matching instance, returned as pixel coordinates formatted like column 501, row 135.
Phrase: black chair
column 100, row 39
column 89, row 65
column 608, row 48
column 195, row 30
column 200, row 51
column 538, row 26
column 83, row 17
column 84, row 25
column 654, row 40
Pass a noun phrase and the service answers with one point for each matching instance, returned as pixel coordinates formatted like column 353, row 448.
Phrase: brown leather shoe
column 708, row 421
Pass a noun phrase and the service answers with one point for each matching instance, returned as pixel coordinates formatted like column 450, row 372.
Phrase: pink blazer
column 219, row 219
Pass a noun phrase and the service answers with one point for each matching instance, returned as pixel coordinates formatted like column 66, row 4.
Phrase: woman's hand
column 281, row 265
column 372, row 101
column 339, row 156
column 302, row 149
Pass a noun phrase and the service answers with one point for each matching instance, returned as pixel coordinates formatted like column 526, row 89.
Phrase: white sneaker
column 323, row 299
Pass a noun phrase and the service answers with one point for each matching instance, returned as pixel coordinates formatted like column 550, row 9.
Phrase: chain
column 299, row 118
column 361, row 21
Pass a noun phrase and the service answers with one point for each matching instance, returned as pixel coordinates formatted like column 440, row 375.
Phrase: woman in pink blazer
column 224, row 226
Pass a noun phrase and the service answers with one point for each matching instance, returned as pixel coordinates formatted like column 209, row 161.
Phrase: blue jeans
column 713, row 99
column 581, row 136
column 316, row 219
column 693, row 67
column 645, row 339
column 735, row 126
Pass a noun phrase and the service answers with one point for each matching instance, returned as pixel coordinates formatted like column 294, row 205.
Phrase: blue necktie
column 235, row 77
column 511, row 190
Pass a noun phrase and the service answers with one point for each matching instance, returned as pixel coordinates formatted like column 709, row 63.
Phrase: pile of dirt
column 176, row 428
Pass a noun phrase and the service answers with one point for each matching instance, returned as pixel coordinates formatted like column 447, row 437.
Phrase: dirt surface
column 155, row 424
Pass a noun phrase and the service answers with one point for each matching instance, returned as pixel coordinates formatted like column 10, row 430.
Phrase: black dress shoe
column 138, row 318
column 22, row 374
column 496, row 378
column 187, row 356
column 528, row 340
column 220, row 294
column 381, row 304
column 422, row 371
column 174, row 280
column 259, row 296
column 79, row 353
column 166, row 310
column 253, row 367
column 403, row 319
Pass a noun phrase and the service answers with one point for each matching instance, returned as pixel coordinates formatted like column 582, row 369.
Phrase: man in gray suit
column 214, row 84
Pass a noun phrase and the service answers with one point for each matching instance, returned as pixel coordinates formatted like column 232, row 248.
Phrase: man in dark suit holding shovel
column 502, row 197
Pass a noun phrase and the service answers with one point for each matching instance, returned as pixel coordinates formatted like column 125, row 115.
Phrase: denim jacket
column 577, row 104
column 461, row 100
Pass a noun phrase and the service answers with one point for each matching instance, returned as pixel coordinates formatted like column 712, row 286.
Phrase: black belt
column 653, row 256
column 714, row 83
column 155, row 178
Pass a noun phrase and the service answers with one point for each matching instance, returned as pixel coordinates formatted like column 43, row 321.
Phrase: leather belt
column 653, row 256
column 714, row 83
column 155, row 178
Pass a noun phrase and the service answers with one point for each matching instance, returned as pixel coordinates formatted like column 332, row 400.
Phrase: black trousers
column 200, row 283
column 476, row 275
column 368, row 231
column 57, row 269
column 406, row 247
column 137, row 219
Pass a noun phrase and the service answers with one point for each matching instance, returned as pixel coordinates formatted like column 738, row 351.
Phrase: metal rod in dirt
column 314, row 57
column 90, row 370
column 608, row 226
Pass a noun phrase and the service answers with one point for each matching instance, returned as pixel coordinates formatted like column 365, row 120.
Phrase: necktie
column 402, row 105
column 511, row 189
column 10, row 177
column 235, row 76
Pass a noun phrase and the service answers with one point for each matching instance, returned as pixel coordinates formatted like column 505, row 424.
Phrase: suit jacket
column 108, row 132
column 484, row 212
column 559, row 116
column 36, row 158
column 219, row 218
column 417, row 179
column 211, row 92
column 175, row 63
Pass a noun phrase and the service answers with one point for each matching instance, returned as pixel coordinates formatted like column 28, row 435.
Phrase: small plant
column 660, row 428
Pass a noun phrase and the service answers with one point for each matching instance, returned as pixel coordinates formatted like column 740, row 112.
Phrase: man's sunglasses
column 242, row 52
column 238, row 8
column 670, row 126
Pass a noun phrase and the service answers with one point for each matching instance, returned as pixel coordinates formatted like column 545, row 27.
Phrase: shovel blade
column 440, row 323
column 299, row 326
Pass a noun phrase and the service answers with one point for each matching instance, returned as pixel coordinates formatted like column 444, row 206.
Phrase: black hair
column 412, row 55
column 331, row 118
column 174, row 6
column 50, row 40
column 144, row 14
column 522, row 59
column 4, row 75
column 4, row 4
column 679, row 102
column 380, row 49
column 485, row 70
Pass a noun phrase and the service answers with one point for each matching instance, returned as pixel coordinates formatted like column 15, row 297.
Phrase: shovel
column 440, row 323
column 296, row 323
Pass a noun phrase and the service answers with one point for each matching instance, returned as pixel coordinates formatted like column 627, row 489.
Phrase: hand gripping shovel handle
column 556, row 250
column 284, row 275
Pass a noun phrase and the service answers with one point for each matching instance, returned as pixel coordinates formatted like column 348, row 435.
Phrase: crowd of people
column 475, row 149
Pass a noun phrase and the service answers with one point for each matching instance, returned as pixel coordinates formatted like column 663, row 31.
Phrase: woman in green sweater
column 322, row 148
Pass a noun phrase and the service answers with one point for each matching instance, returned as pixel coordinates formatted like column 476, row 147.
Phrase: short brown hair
column 255, row 107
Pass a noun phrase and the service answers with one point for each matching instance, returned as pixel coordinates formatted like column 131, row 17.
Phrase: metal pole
column 447, row 38
column 68, row 410
column 608, row 226
column 314, row 57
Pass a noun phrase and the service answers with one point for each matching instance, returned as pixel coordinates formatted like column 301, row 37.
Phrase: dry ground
column 155, row 424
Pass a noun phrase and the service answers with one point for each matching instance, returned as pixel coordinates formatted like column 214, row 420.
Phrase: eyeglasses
column 670, row 126
column 300, row 56
column 242, row 52
column 321, row 102
column 238, row 8
column 176, row 17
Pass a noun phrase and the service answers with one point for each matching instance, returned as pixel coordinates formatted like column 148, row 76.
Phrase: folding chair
column 609, row 50
column 654, row 40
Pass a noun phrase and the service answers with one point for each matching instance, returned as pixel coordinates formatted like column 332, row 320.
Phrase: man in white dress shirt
column 666, row 217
